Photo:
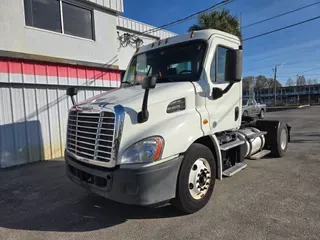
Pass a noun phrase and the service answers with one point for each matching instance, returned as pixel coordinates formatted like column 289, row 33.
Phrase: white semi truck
column 173, row 128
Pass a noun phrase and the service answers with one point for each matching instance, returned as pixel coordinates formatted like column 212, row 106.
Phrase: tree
column 221, row 20
column 247, row 83
column 301, row 80
column 289, row 82
column 315, row 81
column 271, row 83
column 261, row 82
column 309, row 81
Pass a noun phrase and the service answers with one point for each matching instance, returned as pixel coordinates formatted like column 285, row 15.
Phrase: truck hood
column 131, row 97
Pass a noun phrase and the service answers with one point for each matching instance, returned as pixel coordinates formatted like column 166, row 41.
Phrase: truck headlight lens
column 144, row 151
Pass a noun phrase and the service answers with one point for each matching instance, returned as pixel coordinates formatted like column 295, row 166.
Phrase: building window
column 43, row 14
column 60, row 16
column 77, row 21
column 218, row 65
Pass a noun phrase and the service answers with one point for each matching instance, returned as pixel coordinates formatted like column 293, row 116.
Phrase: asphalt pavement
column 270, row 199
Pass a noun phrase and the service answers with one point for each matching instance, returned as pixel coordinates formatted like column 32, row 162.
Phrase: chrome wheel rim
column 262, row 114
column 199, row 178
column 283, row 139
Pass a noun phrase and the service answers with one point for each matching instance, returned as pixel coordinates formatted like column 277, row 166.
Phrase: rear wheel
column 196, row 179
column 280, row 147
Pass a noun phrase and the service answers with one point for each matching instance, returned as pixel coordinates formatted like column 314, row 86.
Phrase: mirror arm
column 143, row 116
column 227, row 88
column 73, row 101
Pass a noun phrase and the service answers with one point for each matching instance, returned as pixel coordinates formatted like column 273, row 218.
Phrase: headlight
column 144, row 151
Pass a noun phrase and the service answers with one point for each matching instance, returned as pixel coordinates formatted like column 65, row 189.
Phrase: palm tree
column 221, row 20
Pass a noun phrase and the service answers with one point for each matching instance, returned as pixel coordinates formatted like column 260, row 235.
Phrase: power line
column 310, row 70
column 294, row 63
column 280, row 15
column 181, row 20
column 284, row 65
column 302, row 73
column 280, row 29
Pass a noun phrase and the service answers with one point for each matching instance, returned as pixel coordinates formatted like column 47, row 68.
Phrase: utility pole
column 298, row 88
column 275, row 69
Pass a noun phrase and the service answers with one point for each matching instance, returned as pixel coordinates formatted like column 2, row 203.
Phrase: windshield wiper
column 131, row 83
column 165, row 79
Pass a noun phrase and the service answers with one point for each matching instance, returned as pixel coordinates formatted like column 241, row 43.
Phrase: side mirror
column 217, row 93
column 122, row 75
column 149, row 82
column 72, row 91
column 233, row 66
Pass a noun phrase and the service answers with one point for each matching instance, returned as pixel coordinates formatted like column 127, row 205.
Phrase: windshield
column 181, row 62
column 244, row 102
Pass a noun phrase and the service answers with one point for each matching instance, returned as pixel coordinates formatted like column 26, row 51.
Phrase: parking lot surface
column 270, row 199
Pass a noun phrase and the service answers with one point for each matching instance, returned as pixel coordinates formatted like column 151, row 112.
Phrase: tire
column 245, row 113
column 280, row 147
column 261, row 114
column 187, row 198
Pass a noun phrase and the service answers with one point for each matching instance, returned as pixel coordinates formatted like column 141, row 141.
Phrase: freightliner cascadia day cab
column 173, row 128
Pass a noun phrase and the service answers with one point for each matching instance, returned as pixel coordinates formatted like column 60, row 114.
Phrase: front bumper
column 138, row 186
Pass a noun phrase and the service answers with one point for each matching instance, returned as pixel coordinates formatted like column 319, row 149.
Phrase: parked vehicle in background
column 251, row 108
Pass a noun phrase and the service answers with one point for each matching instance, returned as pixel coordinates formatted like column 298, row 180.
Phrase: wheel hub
column 283, row 139
column 199, row 178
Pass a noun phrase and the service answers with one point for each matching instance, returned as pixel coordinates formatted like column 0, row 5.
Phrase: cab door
column 225, row 112
column 255, row 107
column 251, row 108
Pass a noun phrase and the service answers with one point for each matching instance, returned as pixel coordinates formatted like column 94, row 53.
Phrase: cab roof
column 196, row 35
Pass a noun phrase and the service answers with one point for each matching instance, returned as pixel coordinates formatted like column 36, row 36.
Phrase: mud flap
column 289, row 129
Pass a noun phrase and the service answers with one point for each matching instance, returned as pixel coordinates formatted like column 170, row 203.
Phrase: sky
column 295, row 50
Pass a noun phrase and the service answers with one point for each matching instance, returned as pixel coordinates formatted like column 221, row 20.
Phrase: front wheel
column 196, row 179
column 262, row 114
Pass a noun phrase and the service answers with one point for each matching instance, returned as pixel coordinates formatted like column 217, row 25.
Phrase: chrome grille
column 91, row 135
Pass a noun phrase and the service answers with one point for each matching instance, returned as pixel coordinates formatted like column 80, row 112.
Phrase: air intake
column 177, row 105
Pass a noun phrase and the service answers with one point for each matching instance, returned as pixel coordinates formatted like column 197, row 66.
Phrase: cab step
column 232, row 144
column 234, row 169
column 260, row 154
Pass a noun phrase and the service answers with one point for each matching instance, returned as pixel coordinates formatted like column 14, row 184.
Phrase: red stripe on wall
column 81, row 73
column 15, row 67
column 52, row 71
column 4, row 67
column 29, row 67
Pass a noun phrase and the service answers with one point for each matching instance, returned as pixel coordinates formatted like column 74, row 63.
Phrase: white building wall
column 139, row 27
column 19, row 38
column 33, row 122
column 116, row 5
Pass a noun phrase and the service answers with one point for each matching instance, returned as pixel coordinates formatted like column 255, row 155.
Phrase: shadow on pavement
column 40, row 197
